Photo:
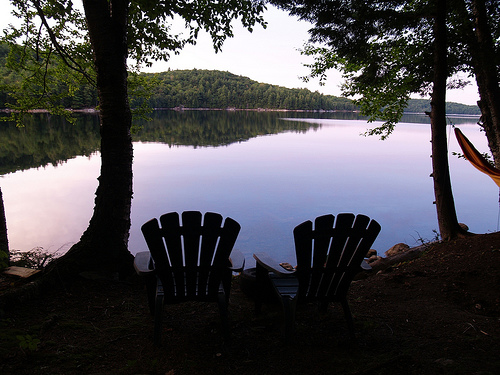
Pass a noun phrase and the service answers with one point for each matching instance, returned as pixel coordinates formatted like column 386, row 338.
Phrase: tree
column 4, row 243
column 384, row 48
column 389, row 49
column 445, row 205
column 485, row 60
column 57, row 41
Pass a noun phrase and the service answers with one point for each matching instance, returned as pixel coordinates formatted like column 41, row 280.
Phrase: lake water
column 268, row 171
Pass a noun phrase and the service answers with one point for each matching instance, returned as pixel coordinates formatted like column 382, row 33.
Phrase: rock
column 464, row 226
column 397, row 249
column 370, row 253
column 373, row 258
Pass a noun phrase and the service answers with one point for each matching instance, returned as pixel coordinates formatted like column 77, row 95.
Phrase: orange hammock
column 475, row 158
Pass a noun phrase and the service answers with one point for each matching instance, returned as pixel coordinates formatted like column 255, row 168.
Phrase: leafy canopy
column 384, row 48
column 50, row 47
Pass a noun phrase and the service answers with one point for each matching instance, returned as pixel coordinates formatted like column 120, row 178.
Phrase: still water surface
column 269, row 172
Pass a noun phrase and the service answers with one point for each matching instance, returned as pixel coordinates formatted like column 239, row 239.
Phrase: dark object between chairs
column 328, row 258
column 189, row 262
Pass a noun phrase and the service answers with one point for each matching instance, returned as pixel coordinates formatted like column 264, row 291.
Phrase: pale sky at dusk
column 268, row 56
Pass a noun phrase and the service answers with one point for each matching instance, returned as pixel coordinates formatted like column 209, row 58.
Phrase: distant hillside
column 423, row 105
column 214, row 89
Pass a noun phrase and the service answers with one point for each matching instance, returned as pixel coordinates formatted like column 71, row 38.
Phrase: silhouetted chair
column 328, row 258
column 189, row 262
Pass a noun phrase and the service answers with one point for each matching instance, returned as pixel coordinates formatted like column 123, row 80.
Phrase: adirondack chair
column 328, row 258
column 189, row 262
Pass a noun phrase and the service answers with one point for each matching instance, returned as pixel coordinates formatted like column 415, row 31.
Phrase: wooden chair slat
column 172, row 236
column 191, row 236
column 303, row 243
column 191, row 232
column 323, row 227
column 211, row 232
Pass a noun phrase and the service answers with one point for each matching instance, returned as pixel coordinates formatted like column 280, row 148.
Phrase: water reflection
column 46, row 140
column 269, row 176
column 50, row 140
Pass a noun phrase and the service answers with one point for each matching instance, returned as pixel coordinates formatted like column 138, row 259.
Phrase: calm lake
column 269, row 171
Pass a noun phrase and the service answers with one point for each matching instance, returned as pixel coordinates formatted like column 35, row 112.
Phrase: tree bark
column 445, row 205
column 104, row 245
column 485, row 70
column 4, row 243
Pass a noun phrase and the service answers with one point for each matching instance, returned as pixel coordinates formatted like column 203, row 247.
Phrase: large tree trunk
column 445, row 205
column 487, row 79
column 104, row 245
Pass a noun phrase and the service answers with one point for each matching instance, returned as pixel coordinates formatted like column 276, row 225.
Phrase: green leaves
column 28, row 342
column 383, row 49
column 51, row 49
column 48, row 51
column 151, row 32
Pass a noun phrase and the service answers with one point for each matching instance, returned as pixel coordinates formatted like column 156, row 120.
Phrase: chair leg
column 261, row 276
column 158, row 313
column 151, row 292
column 224, row 315
column 348, row 317
column 289, row 307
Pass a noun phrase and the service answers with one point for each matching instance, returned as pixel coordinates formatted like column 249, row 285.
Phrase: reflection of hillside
column 46, row 140
column 51, row 140
column 213, row 128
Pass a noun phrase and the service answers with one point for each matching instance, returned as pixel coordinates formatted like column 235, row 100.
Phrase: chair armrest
column 270, row 264
column 365, row 266
column 237, row 261
column 142, row 263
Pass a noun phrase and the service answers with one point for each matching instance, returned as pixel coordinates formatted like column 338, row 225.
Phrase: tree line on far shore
column 213, row 89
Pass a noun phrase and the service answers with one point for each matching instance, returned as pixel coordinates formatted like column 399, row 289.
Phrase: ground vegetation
column 437, row 314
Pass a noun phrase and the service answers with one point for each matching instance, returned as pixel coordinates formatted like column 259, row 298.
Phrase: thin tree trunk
column 4, row 243
column 445, row 205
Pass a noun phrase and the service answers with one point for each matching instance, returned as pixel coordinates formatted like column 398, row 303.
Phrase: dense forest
column 212, row 89
column 216, row 89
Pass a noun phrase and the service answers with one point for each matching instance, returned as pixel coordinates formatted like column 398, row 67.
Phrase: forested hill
column 213, row 89
column 216, row 89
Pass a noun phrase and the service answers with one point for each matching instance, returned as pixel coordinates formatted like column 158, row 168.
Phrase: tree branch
column 66, row 57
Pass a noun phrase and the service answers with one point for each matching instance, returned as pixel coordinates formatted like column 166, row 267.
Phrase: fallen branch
column 411, row 254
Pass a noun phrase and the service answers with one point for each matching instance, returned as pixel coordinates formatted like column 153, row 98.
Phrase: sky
column 268, row 55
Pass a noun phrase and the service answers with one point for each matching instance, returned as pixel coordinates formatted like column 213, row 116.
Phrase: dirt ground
column 439, row 314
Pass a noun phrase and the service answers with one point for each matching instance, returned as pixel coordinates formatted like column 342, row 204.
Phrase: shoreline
column 180, row 109
column 94, row 111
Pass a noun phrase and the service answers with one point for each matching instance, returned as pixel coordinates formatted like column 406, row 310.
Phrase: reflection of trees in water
column 45, row 140
column 51, row 140
column 214, row 128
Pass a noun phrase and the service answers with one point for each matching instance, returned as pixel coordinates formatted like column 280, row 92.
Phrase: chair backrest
column 191, row 259
column 329, row 256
